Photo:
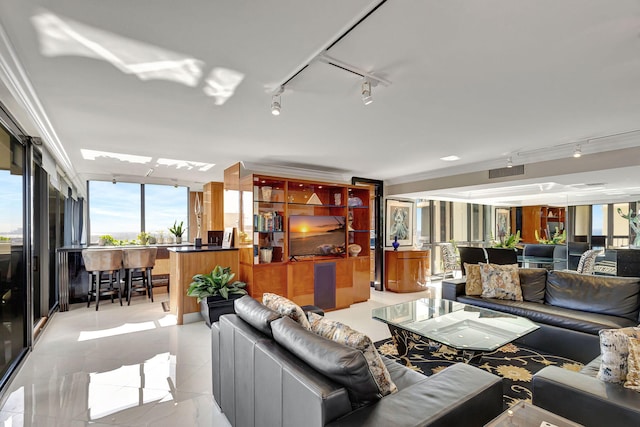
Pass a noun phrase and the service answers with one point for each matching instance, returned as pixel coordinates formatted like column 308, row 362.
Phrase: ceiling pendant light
column 366, row 92
column 577, row 152
column 509, row 162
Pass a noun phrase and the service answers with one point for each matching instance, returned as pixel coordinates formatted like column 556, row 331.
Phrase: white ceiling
column 480, row 80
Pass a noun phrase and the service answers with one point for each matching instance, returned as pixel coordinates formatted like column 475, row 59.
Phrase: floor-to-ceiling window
column 13, row 279
column 163, row 206
column 123, row 210
column 114, row 210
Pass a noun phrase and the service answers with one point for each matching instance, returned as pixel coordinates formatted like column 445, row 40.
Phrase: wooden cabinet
column 288, row 226
column 406, row 271
column 543, row 219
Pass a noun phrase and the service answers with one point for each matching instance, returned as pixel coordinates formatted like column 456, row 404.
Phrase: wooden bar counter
column 187, row 261
column 406, row 271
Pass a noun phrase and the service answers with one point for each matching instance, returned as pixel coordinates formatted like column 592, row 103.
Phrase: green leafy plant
column 5, row 239
column 143, row 238
column 509, row 241
column 177, row 229
column 108, row 240
column 216, row 283
column 557, row 239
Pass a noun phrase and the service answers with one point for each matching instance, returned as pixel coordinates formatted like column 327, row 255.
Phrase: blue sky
column 115, row 208
column 11, row 196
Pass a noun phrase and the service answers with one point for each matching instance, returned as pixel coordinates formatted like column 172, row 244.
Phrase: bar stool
column 100, row 263
column 138, row 264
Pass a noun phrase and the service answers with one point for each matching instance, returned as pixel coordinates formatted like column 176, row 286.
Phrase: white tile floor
column 133, row 366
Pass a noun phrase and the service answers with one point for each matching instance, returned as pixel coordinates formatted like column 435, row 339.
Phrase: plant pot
column 212, row 308
column 179, row 240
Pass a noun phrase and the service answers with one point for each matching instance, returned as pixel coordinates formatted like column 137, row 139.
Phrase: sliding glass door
column 13, row 289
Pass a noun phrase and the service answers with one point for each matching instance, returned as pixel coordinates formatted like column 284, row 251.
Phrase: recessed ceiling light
column 450, row 158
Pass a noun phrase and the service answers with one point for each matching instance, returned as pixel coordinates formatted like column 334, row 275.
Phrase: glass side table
column 524, row 414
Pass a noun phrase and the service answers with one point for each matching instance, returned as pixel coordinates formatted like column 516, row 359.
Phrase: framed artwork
column 503, row 223
column 227, row 237
column 399, row 222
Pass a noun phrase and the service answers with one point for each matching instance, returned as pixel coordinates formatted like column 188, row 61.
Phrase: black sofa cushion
column 533, row 281
column 565, row 318
column 257, row 315
column 342, row 364
column 615, row 296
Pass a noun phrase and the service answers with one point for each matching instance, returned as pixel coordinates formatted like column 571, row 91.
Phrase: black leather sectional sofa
column 270, row 371
column 570, row 309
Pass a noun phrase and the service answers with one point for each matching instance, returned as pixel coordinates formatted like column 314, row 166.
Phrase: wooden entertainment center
column 314, row 262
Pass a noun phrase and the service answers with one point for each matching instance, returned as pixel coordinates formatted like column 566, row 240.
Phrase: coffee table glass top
column 458, row 325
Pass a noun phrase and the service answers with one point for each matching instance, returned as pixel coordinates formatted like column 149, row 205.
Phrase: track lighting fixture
column 509, row 162
column 113, row 181
column 276, row 103
column 366, row 92
column 577, row 152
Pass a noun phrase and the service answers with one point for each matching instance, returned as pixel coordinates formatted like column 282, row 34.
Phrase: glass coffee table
column 469, row 329
column 524, row 414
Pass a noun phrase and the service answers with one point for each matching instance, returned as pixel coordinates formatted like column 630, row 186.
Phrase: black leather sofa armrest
column 460, row 395
column 454, row 287
column 585, row 399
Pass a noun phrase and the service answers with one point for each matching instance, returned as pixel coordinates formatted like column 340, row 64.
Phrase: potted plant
column 177, row 230
column 215, row 292
column 106, row 240
column 144, row 238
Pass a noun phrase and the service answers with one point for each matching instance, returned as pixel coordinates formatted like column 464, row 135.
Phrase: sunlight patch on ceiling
column 189, row 165
column 60, row 36
column 131, row 158
column 221, row 84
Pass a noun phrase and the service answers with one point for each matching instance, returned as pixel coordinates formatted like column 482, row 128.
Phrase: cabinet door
column 269, row 278
column 361, row 279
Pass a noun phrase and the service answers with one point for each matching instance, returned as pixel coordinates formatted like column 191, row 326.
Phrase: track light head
column 366, row 92
column 113, row 181
column 577, row 152
column 509, row 162
column 275, row 105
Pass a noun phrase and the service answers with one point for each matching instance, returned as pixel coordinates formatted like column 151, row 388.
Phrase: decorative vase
column 354, row 249
column 337, row 198
column 266, row 194
column 266, row 255
column 395, row 243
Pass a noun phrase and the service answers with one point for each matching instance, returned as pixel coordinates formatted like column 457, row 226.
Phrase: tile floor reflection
column 133, row 366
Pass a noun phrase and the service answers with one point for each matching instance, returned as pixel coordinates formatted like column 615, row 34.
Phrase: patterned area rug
column 515, row 364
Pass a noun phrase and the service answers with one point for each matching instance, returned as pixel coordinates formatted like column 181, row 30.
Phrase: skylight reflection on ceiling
column 131, row 158
column 189, row 165
column 60, row 36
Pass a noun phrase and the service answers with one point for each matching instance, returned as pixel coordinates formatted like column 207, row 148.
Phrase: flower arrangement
column 558, row 238
column 509, row 241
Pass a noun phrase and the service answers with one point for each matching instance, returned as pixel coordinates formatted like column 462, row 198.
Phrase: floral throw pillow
column 633, row 365
column 614, row 348
column 500, row 281
column 286, row 307
column 343, row 334
column 474, row 280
